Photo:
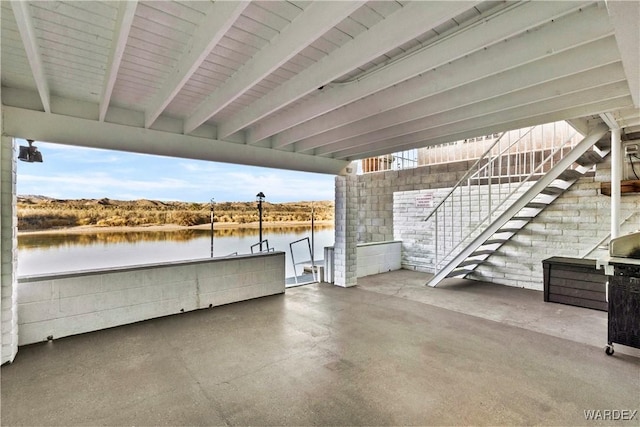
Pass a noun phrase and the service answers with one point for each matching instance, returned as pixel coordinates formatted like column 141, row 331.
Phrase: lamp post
column 260, row 199
column 313, row 248
column 212, row 201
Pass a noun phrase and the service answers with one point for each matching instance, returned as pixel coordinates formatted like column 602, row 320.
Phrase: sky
column 75, row 173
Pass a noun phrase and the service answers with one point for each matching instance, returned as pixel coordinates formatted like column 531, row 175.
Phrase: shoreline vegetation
column 45, row 215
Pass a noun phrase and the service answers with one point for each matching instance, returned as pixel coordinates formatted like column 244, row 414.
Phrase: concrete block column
column 346, row 231
column 8, row 250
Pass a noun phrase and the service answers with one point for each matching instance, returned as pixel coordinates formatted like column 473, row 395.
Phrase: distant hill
column 44, row 213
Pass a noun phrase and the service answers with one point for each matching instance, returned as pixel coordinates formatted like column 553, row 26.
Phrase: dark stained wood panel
column 628, row 186
column 574, row 281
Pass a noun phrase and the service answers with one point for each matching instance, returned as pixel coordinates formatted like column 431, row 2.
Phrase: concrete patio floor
column 387, row 352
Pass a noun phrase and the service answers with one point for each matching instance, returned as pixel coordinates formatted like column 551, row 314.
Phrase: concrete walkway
column 512, row 306
column 322, row 355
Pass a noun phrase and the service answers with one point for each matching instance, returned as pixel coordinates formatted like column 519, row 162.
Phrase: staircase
column 505, row 189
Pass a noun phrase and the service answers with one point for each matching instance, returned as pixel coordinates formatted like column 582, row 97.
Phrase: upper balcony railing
column 536, row 143
column 396, row 161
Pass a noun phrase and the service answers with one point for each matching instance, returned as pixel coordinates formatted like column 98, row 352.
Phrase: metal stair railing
column 524, row 154
column 496, row 193
column 466, row 178
column 306, row 261
column 449, row 210
column 586, row 162
column 265, row 242
column 607, row 238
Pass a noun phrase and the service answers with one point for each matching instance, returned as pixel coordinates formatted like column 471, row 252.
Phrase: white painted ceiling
column 310, row 85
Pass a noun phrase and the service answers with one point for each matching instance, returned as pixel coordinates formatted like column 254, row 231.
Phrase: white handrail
column 510, row 163
column 293, row 260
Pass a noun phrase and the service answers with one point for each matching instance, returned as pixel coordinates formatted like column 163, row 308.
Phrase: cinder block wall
column 376, row 258
column 68, row 304
column 418, row 236
column 8, row 250
column 375, row 195
column 575, row 225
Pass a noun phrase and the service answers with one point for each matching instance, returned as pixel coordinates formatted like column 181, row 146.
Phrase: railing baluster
column 526, row 157
column 437, row 252
column 489, row 184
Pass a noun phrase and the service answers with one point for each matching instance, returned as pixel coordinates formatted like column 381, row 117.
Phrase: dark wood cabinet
column 575, row 281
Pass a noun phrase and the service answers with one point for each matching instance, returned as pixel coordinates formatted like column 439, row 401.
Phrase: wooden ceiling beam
column 313, row 22
column 124, row 19
column 24, row 22
column 215, row 24
column 398, row 28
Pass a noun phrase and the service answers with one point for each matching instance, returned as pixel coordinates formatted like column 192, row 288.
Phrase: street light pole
column 260, row 198
column 313, row 248
column 212, row 200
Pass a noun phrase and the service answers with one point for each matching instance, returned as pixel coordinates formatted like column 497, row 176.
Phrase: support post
column 313, row 247
column 346, row 218
column 212, row 227
column 616, row 178
column 8, row 250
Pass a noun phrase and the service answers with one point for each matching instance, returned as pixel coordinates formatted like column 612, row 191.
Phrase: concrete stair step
column 509, row 230
column 522, row 218
column 536, row 205
column 459, row 273
column 494, row 241
column 604, row 143
column 552, row 191
column 469, row 262
column 589, row 158
column 482, row 252
column 570, row 175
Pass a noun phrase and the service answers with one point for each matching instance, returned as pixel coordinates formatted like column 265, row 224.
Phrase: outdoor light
column 30, row 154
column 260, row 198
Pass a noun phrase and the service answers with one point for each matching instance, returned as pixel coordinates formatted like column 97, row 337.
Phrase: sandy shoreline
column 173, row 227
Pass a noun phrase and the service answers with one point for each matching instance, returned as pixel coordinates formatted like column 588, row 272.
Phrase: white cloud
column 99, row 184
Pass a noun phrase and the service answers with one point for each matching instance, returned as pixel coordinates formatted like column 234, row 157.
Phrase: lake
column 57, row 253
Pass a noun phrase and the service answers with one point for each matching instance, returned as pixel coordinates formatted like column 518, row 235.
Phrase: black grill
column 624, row 305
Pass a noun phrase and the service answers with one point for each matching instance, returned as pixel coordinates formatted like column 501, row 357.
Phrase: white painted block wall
column 68, row 304
column 346, row 225
column 376, row 258
column 575, row 225
column 419, row 236
column 376, row 190
column 8, row 250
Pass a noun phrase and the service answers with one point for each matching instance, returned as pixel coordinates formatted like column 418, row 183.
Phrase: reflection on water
column 55, row 253
column 37, row 240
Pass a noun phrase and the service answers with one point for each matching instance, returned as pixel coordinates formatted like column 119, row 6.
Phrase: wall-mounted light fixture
column 30, row 154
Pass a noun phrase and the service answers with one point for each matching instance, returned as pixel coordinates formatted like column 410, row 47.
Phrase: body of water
column 57, row 253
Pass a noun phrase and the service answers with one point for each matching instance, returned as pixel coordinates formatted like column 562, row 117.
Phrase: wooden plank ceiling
column 310, row 85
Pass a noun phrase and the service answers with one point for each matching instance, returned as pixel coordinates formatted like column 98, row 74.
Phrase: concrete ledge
column 372, row 258
column 71, row 303
column 378, row 257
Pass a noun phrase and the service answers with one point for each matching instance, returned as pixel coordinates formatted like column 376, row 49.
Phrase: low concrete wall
column 372, row 258
column 67, row 304
column 379, row 257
